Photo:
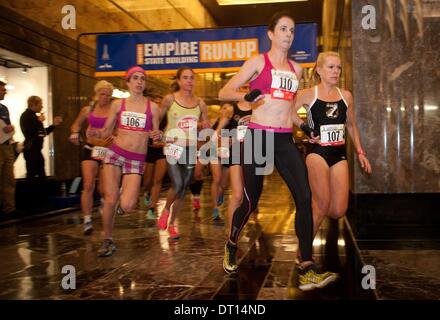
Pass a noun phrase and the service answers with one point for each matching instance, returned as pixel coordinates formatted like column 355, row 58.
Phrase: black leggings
column 181, row 173
column 290, row 164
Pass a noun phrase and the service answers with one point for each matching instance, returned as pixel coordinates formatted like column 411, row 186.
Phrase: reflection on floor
column 405, row 269
column 147, row 265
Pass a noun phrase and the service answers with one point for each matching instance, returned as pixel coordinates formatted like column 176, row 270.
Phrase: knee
column 157, row 182
column 88, row 187
column 179, row 190
column 111, row 199
column 337, row 213
column 197, row 176
column 236, row 198
column 320, row 207
column 127, row 205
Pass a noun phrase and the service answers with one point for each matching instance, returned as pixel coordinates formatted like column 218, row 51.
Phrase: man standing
column 34, row 133
column 7, row 180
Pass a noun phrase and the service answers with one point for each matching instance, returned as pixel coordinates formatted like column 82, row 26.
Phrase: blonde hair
column 316, row 79
column 102, row 84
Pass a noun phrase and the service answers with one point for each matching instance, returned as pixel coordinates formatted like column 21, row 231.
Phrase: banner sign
column 204, row 50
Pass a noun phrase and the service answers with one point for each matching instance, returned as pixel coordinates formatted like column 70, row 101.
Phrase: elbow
column 222, row 96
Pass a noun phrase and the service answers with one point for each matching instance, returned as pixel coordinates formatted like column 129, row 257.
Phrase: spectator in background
column 34, row 132
column 7, row 180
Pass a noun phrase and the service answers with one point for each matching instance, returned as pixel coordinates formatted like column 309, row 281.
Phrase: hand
column 365, row 164
column 156, row 135
column 93, row 133
column 41, row 117
column 254, row 96
column 314, row 139
column 204, row 124
column 57, row 121
column 9, row 128
column 308, row 131
column 74, row 138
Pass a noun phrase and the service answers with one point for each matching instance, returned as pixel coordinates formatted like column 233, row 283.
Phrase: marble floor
column 148, row 266
column 405, row 269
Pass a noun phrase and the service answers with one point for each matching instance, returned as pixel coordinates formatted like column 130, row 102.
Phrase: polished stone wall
column 396, row 88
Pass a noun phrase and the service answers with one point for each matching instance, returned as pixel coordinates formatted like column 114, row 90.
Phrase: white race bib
column 284, row 84
column 98, row 153
column 332, row 135
column 241, row 132
column 133, row 120
column 223, row 152
column 173, row 150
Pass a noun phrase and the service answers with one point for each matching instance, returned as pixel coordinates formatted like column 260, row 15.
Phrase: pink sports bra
column 263, row 81
column 135, row 121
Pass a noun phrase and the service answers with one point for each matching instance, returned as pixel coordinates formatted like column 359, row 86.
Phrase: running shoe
column 229, row 260
column 107, row 248
column 310, row 278
column 215, row 214
column 147, row 199
column 162, row 223
column 173, row 233
column 88, row 228
column 150, row 214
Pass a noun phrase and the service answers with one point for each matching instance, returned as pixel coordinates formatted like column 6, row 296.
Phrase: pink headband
column 133, row 70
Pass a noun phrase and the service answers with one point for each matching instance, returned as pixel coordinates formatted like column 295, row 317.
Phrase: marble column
column 396, row 89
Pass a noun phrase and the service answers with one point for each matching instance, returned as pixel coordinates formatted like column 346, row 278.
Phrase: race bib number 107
column 332, row 135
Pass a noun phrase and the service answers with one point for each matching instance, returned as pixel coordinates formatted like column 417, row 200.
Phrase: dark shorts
column 232, row 161
column 331, row 155
column 154, row 154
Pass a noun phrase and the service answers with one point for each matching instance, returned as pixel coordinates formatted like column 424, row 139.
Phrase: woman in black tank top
column 330, row 111
column 236, row 117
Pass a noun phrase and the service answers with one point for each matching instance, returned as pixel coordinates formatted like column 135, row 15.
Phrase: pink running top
column 130, row 120
column 96, row 122
column 263, row 81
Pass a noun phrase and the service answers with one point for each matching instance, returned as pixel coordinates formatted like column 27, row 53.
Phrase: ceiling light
column 25, row 70
column 120, row 94
column 238, row 2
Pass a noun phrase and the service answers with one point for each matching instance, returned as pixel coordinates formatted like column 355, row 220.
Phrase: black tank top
column 239, row 118
column 328, row 119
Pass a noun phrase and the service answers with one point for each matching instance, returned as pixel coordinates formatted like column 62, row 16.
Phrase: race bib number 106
column 133, row 120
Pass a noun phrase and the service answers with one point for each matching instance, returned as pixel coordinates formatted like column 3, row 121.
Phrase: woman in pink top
column 137, row 118
column 93, row 151
column 273, row 80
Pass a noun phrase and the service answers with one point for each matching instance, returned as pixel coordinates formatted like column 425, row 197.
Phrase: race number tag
column 133, row 120
column 98, row 153
column 284, row 84
column 332, row 135
column 223, row 152
column 174, row 151
column 241, row 132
